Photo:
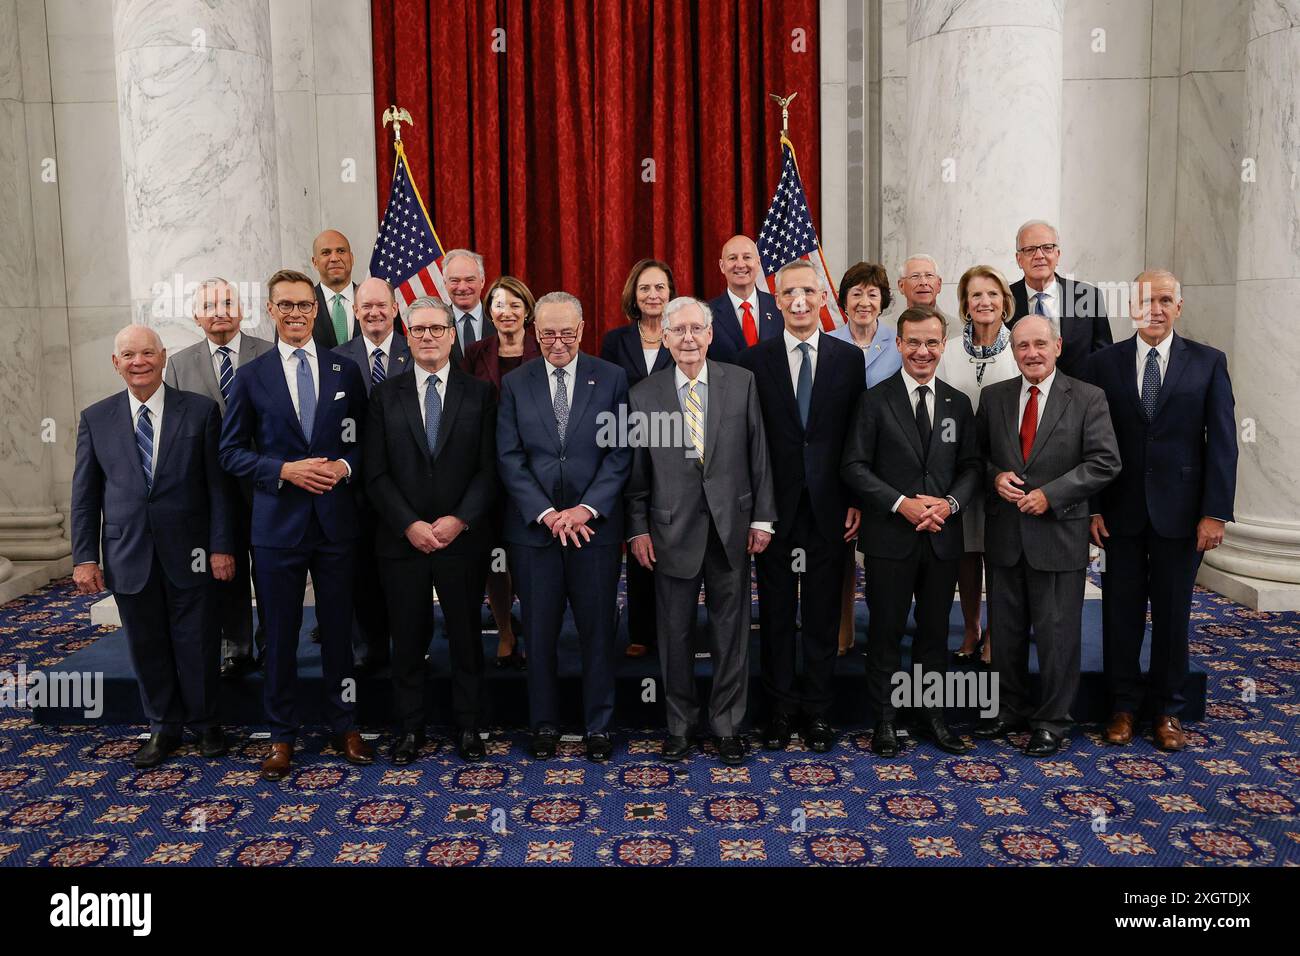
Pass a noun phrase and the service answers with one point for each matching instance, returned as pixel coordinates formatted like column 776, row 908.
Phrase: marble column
column 197, row 125
column 1264, row 541
column 983, row 129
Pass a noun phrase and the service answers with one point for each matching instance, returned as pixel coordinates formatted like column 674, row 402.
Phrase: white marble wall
column 833, row 226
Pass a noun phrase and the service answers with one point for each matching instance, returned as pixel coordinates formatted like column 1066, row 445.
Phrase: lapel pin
column 337, row 368
column 591, row 381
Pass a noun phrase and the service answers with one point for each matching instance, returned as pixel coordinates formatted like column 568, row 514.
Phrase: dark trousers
column 232, row 600
column 890, row 586
column 281, row 580
column 641, row 622
column 1138, row 568
column 586, row 579
column 803, row 573
column 1050, row 603
column 460, row 581
column 370, row 632
column 173, row 646
column 726, row 595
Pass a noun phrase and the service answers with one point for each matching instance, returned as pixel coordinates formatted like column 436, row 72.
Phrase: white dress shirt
column 1044, row 387
column 439, row 380
column 794, row 355
column 233, row 345
column 289, row 365
column 737, row 302
column 329, row 294
column 386, row 346
column 155, row 405
column 475, row 320
column 1051, row 299
column 570, row 374
column 1162, row 358
column 650, row 356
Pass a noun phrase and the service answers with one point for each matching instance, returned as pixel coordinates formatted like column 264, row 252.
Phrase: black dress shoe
column 470, row 746
column 233, row 668
column 777, row 735
column 545, row 740
column 1043, row 743
column 936, row 730
column 407, row 749
column 155, row 751
column 676, row 748
column 731, row 751
column 817, row 735
column 997, row 727
column 599, row 747
column 884, row 740
column 212, row 743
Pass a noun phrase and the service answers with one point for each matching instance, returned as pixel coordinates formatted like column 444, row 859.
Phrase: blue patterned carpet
column 69, row 796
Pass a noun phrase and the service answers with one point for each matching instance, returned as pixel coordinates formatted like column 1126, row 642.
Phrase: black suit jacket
column 728, row 339
column 404, row 483
column 883, row 459
column 1084, row 326
column 622, row 346
column 489, row 330
column 808, row 458
column 323, row 330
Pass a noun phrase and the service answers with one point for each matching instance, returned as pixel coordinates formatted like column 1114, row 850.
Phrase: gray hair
column 208, row 283
column 1056, row 236
column 1153, row 273
column 126, row 330
column 463, row 254
column 681, row 302
column 1053, row 325
column 921, row 257
column 558, row 298
column 429, row 302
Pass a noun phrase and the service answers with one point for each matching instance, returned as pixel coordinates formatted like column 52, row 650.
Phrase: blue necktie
column 467, row 336
column 432, row 412
column 377, row 373
column 144, row 442
column 1150, row 384
column 306, row 393
column 561, row 404
column 803, row 394
column 226, row 377
column 1039, row 308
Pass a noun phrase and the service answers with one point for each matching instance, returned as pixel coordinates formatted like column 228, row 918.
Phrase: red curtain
column 537, row 156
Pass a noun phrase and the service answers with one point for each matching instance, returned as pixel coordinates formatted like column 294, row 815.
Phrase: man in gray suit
column 1048, row 444
column 209, row 368
column 698, row 505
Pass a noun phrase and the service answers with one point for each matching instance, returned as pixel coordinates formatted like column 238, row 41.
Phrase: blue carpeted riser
column 505, row 694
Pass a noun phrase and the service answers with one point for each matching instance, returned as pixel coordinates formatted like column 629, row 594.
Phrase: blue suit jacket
column 358, row 348
column 1182, row 466
column 261, row 432
column 728, row 339
column 186, row 508
column 539, row 473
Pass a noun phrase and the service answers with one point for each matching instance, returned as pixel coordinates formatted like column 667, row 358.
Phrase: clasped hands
column 428, row 537
column 570, row 525
column 1008, row 485
column 925, row 512
column 317, row 475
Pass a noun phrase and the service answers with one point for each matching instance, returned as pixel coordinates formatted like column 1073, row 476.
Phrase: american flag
column 407, row 251
column 788, row 234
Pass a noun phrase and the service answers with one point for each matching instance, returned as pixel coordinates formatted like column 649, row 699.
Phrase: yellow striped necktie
column 695, row 422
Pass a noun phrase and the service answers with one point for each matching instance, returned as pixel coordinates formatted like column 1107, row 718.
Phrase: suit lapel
column 208, row 374
column 728, row 324
column 173, row 409
column 1126, row 356
column 580, row 391
column 450, row 406
column 779, row 363
column 120, row 422
column 713, row 412
column 273, row 378
column 662, row 360
column 823, row 379
column 408, row 397
column 541, row 393
column 400, row 357
column 1177, row 364
column 900, row 405
column 1010, row 410
column 329, row 380
column 1057, row 399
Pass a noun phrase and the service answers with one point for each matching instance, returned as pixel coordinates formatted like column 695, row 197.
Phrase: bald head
column 139, row 357
column 740, row 265
column 136, row 337
column 331, row 254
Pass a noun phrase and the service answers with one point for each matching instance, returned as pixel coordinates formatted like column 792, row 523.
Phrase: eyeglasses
column 433, row 331
column 694, row 331
column 918, row 276
column 1046, row 248
column 288, row 308
column 568, row 337
column 913, row 344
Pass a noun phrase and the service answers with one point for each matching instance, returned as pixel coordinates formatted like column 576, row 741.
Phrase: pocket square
column 338, row 395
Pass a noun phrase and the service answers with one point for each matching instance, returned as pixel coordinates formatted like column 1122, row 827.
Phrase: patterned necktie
column 695, row 422
column 432, row 412
column 803, row 393
column 377, row 373
column 306, row 393
column 923, row 418
column 340, row 320
column 467, row 336
column 747, row 324
column 1029, row 424
column 1039, row 308
column 144, row 442
column 561, row 404
column 1151, row 383
column 226, row 377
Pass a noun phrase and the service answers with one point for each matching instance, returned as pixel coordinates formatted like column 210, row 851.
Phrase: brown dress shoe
column 354, row 749
column 1120, row 729
column 1169, row 734
column 276, row 766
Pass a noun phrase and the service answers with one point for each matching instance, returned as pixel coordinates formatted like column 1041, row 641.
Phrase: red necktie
column 1029, row 424
column 747, row 324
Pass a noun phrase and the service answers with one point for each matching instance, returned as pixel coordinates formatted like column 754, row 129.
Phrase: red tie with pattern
column 1029, row 424
column 747, row 324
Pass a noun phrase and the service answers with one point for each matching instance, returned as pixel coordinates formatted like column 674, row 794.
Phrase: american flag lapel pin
column 335, row 367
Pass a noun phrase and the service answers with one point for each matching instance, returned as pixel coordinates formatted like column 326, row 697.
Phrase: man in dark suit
column 745, row 314
column 381, row 352
column 698, row 505
column 331, row 255
column 293, row 426
column 911, row 460
column 808, row 384
column 1077, row 307
column 462, row 271
column 1171, row 403
column 147, row 471
column 430, row 464
column 564, row 515
column 1048, row 446
column 209, row 368
column 920, row 281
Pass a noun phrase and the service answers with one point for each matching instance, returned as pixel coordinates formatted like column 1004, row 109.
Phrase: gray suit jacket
column 190, row 369
column 1074, row 455
column 358, row 348
column 669, row 497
